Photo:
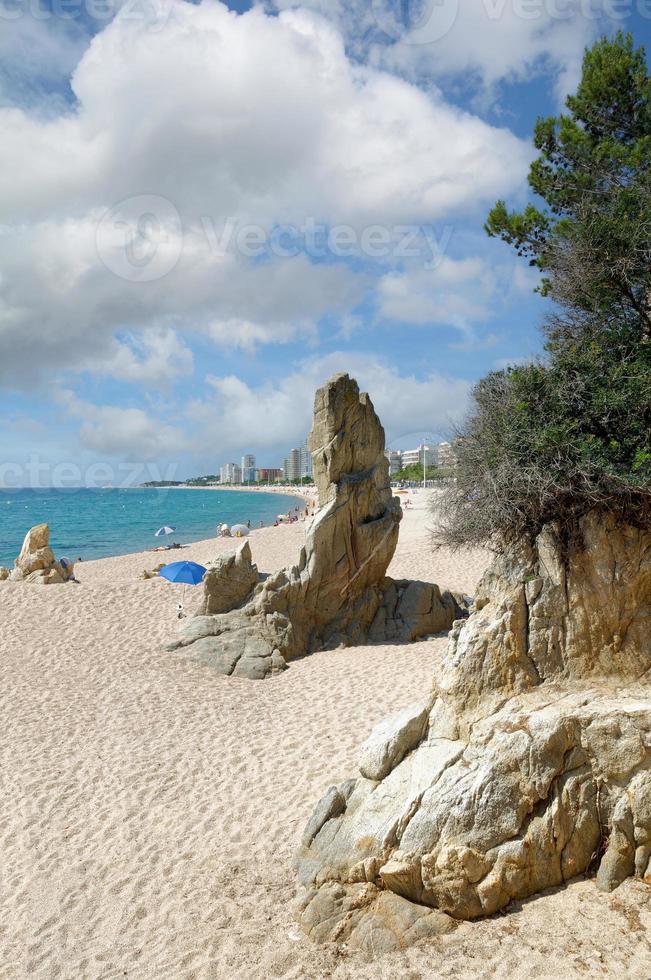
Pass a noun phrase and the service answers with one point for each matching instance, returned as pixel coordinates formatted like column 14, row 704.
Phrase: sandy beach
column 150, row 809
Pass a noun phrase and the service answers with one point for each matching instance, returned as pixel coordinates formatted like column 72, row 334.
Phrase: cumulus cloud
column 475, row 41
column 110, row 430
column 181, row 112
column 459, row 293
column 248, row 336
column 156, row 357
column 404, row 403
column 230, row 121
column 455, row 293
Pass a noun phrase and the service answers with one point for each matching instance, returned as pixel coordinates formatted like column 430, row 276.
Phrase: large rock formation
column 531, row 763
column 36, row 562
column 228, row 582
column 338, row 593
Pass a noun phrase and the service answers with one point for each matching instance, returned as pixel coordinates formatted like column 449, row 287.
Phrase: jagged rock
column 336, row 593
column 535, row 759
column 228, row 582
column 4, row 573
column 392, row 739
column 36, row 563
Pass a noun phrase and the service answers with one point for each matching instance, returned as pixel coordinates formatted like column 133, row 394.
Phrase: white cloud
column 181, row 112
column 473, row 41
column 248, row 336
column 460, row 293
column 157, row 357
column 230, row 416
column 275, row 416
column 61, row 309
column 259, row 118
column 456, row 293
column 126, row 432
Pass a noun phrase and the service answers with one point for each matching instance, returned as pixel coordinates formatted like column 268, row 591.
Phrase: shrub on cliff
column 552, row 440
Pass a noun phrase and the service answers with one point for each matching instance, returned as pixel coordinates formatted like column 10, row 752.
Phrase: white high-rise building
column 294, row 465
column 423, row 455
column 306, row 461
column 230, row 473
column 248, row 468
column 298, row 464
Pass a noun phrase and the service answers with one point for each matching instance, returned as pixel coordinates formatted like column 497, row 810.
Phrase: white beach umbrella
column 239, row 529
column 164, row 530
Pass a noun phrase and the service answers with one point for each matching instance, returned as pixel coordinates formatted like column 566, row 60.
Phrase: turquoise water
column 97, row 523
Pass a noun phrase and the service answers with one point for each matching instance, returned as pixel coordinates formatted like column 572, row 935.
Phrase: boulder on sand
column 338, row 593
column 228, row 582
column 36, row 563
column 533, row 764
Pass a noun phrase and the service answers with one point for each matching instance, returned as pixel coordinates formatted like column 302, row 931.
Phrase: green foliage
column 593, row 240
column 552, row 440
column 414, row 474
column 202, row 481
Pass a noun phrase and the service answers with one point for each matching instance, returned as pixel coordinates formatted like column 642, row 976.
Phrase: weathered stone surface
column 229, row 581
column 534, row 763
column 539, row 616
column 392, row 739
column 36, row 562
column 337, row 592
column 368, row 919
column 4, row 573
column 413, row 609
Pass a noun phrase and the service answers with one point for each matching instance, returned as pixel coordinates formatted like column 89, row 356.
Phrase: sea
column 96, row 523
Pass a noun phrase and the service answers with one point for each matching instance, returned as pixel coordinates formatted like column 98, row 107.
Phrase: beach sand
column 150, row 809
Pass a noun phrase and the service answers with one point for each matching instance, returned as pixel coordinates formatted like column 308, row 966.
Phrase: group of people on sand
column 224, row 531
column 293, row 516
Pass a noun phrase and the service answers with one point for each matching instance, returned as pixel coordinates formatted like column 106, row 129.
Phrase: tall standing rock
column 338, row 592
column 535, row 757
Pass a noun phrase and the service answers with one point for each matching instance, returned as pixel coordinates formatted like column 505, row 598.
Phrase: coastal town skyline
column 297, row 465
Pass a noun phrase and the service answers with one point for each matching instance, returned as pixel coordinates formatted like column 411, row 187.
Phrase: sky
column 208, row 209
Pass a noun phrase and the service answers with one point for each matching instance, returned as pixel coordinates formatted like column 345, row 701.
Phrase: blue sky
column 206, row 211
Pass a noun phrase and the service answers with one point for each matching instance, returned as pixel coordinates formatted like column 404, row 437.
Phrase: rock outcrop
column 338, row 593
column 36, row 562
column 533, row 764
column 228, row 582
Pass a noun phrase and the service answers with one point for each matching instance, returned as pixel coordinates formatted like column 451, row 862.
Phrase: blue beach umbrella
column 164, row 530
column 186, row 572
